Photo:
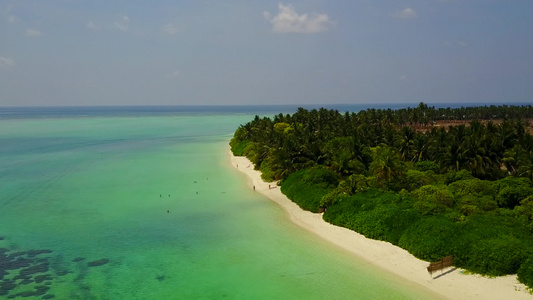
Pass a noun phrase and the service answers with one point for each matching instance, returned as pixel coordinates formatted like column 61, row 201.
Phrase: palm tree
column 420, row 148
column 456, row 155
column 405, row 143
column 511, row 159
column 387, row 164
column 526, row 165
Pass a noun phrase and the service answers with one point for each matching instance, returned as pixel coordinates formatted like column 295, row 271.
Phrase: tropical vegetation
column 434, row 181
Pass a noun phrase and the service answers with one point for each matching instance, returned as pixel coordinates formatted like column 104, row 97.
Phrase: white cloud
column 5, row 12
column 123, row 24
column 92, row 26
column 6, row 62
column 170, row 29
column 288, row 21
column 33, row 32
column 406, row 13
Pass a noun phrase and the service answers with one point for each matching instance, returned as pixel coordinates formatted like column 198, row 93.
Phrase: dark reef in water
column 33, row 253
column 39, row 291
column 32, row 273
column 41, row 278
column 96, row 263
column 28, row 263
column 29, row 271
column 6, row 286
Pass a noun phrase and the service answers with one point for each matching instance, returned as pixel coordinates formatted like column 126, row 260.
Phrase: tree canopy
column 435, row 181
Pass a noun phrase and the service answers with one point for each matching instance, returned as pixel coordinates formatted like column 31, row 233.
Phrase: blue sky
column 93, row 52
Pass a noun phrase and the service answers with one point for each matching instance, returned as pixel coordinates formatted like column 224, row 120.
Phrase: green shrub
column 343, row 212
column 332, row 197
column 255, row 153
column 267, row 174
column 512, row 190
column 306, row 193
column 432, row 199
column 238, row 146
column 375, row 214
column 500, row 222
column 473, row 187
column 431, row 238
column 459, row 175
column 384, row 222
column 496, row 256
column 526, row 208
column 525, row 212
column 415, row 179
column 426, row 165
column 525, row 272
column 469, row 204
column 321, row 176
column 239, row 141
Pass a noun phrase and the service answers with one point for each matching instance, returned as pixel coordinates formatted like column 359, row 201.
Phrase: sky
column 181, row 52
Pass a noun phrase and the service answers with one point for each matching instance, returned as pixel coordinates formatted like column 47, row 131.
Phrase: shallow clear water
column 154, row 200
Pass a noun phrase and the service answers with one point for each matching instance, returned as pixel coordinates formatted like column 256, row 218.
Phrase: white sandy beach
column 451, row 283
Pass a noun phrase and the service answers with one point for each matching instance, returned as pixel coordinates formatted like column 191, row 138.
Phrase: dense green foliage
column 464, row 190
column 431, row 238
column 307, row 187
column 377, row 215
column 525, row 273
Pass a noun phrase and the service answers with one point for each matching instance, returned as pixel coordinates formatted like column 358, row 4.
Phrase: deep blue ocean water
column 108, row 111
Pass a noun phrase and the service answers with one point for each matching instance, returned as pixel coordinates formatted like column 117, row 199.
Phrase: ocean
column 142, row 203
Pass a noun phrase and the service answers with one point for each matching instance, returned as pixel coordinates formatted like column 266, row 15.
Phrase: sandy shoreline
column 452, row 284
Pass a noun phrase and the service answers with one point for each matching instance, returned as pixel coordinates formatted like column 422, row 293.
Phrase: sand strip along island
column 452, row 283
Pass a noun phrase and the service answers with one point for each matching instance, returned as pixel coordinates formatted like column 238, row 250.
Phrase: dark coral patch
column 31, row 266
column 42, row 289
column 33, row 253
column 16, row 254
column 26, row 281
column 41, row 278
column 39, row 268
column 39, row 291
column 6, row 286
column 25, row 294
column 96, row 263
column 18, row 263
column 62, row 272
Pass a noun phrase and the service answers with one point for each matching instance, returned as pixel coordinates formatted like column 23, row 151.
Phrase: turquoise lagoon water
column 146, row 206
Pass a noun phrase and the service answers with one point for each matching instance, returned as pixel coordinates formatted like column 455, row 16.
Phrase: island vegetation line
column 436, row 182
